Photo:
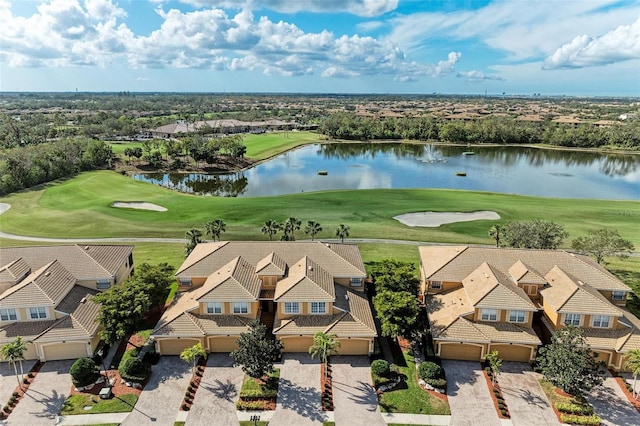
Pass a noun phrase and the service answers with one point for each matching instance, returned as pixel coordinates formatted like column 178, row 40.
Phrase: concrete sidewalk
column 92, row 419
column 416, row 419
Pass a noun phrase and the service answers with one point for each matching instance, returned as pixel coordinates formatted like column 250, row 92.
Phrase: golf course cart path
column 435, row 219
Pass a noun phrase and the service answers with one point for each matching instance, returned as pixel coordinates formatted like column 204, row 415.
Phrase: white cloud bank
column 365, row 8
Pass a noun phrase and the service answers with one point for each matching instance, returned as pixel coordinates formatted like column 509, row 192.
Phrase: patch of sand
column 139, row 205
column 435, row 219
column 4, row 207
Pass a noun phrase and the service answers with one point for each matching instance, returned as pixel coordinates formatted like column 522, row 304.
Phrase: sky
column 495, row 47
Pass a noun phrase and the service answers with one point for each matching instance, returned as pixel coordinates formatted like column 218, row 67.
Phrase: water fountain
column 431, row 155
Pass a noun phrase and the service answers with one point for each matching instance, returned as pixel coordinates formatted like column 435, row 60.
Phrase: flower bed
column 568, row 409
column 259, row 394
column 496, row 395
column 194, row 384
column 326, row 385
column 19, row 391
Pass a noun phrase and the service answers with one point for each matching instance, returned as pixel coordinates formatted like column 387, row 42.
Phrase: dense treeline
column 494, row 130
column 28, row 166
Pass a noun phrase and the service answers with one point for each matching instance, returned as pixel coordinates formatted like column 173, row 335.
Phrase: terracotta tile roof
column 184, row 324
column 445, row 308
column 235, row 281
column 464, row 330
column 507, row 332
column 306, row 282
column 14, row 271
column 28, row 330
column 45, row 287
column 443, row 263
column 489, row 288
column 272, row 264
column 222, row 324
column 522, row 273
column 567, row 294
column 357, row 306
column 305, row 324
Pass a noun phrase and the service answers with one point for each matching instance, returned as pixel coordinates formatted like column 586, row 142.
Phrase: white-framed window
column 436, row 285
column 39, row 312
column 318, row 307
column 356, row 282
column 517, row 316
column 489, row 315
column 8, row 314
column 214, row 307
column 103, row 284
column 240, row 307
column 601, row 321
column 185, row 282
column 291, row 308
column 618, row 295
column 572, row 319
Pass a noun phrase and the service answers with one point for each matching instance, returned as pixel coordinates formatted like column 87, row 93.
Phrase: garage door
column 353, row 347
column 297, row 344
column 513, row 352
column 223, row 344
column 67, row 350
column 175, row 346
column 460, row 351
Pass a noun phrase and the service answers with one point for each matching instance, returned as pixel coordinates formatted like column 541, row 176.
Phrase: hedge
column 569, row 408
column 580, row 420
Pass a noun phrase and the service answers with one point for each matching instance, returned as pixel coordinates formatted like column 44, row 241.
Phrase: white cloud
column 447, row 66
column 475, row 76
column 356, row 7
column 621, row 44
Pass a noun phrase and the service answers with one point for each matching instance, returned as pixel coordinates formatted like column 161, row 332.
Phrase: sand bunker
column 435, row 219
column 139, row 205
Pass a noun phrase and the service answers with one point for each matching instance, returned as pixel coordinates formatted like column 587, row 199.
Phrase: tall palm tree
column 342, row 232
column 191, row 355
column 270, row 228
column 323, row 346
column 215, row 228
column 633, row 364
column 194, row 237
column 312, row 228
column 8, row 353
column 290, row 226
column 20, row 347
column 496, row 232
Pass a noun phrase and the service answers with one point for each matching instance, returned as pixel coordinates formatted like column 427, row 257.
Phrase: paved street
column 217, row 395
column 354, row 397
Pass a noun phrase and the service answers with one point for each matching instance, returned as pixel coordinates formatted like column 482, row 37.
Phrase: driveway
column 528, row 405
column 160, row 400
column 44, row 399
column 354, row 397
column 468, row 394
column 218, row 392
column 299, row 392
column 612, row 405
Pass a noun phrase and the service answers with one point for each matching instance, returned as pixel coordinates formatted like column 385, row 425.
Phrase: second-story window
column 489, row 315
column 618, row 295
column 240, row 308
column 318, row 308
column 291, row 308
column 185, row 282
column 103, row 284
column 572, row 319
column 9, row 314
column 214, row 307
column 356, row 282
column 436, row 285
column 38, row 313
column 601, row 321
column 517, row 316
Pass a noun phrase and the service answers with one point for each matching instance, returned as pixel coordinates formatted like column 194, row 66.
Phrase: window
column 240, row 308
column 8, row 314
column 356, row 282
column 185, row 282
column 291, row 308
column 517, row 316
column 103, row 284
column 214, row 307
column 601, row 321
column 436, row 285
column 532, row 290
column 572, row 319
column 489, row 315
column 318, row 308
column 618, row 295
column 38, row 313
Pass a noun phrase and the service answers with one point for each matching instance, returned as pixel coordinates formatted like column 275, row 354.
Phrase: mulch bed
column 117, row 389
column 194, row 384
column 494, row 398
column 623, row 385
column 326, row 385
column 21, row 390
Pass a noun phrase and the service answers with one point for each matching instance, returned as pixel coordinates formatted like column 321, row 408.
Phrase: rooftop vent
column 46, row 274
column 86, row 247
column 346, row 296
column 84, row 299
column 310, row 267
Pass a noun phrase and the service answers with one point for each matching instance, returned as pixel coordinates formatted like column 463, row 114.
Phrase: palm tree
column 342, row 232
column 633, row 364
column 323, row 346
column 8, row 353
column 290, row 226
column 191, row 354
column 20, row 347
column 215, row 228
column 194, row 237
column 270, row 228
column 312, row 228
column 496, row 232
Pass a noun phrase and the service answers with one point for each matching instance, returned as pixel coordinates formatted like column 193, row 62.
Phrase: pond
column 513, row 170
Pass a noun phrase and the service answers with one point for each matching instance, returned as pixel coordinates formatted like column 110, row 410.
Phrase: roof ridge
column 334, row 323
column 91, row 257
column 580, row 258
column 39, row 273
column 195, row 321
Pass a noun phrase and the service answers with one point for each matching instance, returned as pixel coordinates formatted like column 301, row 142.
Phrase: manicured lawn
column 75, row 404
column 264, row 390
column 81, row 207
column 413, row 399
column 118, row 147
column 260, row 147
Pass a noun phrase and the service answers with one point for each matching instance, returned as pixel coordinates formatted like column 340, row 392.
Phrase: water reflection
column 527, row 171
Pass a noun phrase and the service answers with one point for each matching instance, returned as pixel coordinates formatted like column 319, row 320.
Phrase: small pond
column 513, row 170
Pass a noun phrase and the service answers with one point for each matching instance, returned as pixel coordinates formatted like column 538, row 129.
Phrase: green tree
column 215, row 228
column 122, row 309
column 257, row 352
column 194, row 237
column 342, row 232
column 568, row 363
column 633, row 363
column 155, row 280
column 289, row 227
column 496, row 232
column 323, row 346
column 312, row 228
column 603, row 242
column 495, row 363
column 13, row 353
column 84, row 371
column 392, row 275
column 535, row 234
column 398, row 312
column 270, row 228
column 191, row 355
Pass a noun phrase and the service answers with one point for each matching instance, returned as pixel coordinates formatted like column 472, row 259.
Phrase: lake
column 512, row 170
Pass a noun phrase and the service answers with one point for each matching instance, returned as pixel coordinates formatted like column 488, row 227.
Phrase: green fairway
column 118, row 147
column 266, row 145
column 81, row 207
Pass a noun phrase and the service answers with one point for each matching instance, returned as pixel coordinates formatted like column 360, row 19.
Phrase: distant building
column 222, row 127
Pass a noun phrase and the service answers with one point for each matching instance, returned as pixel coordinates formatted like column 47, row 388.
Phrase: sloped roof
column 489, row 288
column 14, row 271
column 306, row 281
column 508, row 332
column 45, row 287
column 28, row 330
column 522, row 273
column 271, row 264
column 464, row 330
column 234, row 281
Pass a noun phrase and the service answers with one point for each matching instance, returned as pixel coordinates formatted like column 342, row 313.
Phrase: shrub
column 6, row 409
column 258, row 393
column 569, row 408
column 134, row 370
column 249, row 405
column 380, row 368
column 504, row 413
column 437, row 383
column 16, row 394
column 430, row 370
column 83, row 372
column 31, row 375
column 185, row 407
column 573, row 419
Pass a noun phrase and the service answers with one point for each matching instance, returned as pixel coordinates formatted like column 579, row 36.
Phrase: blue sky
column 517, row 47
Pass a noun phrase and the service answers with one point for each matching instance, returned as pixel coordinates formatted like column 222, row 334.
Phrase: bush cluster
column 380, row 368
column 134, row 370
column 258, row 393
column 570, row 408
column 255, row 405
column 573, row 419
column 430, row 370
column 84, row 372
